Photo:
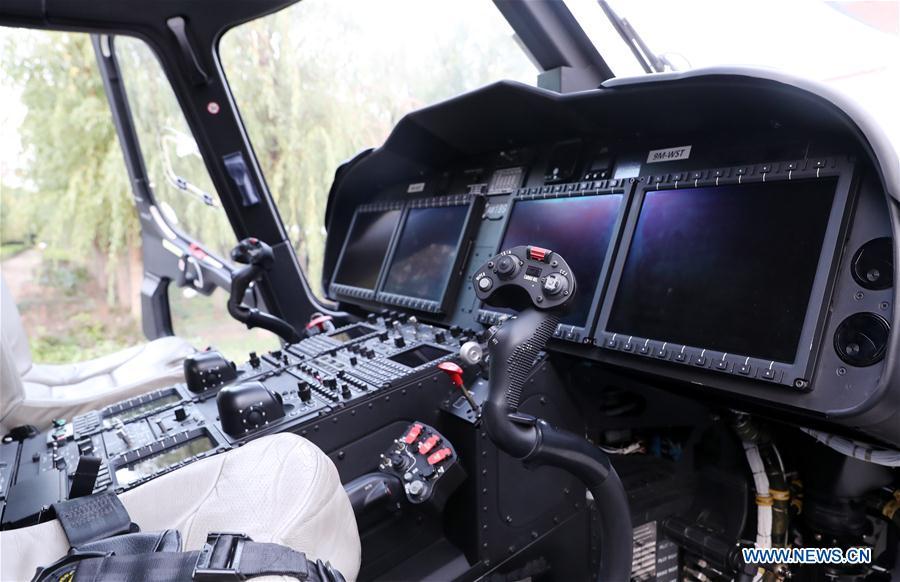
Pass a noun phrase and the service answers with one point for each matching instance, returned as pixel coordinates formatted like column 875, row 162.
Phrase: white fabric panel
column 279, row 489
column 156, row 364
column 12, row 334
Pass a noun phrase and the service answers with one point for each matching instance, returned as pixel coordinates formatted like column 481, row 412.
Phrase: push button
column 680, row 357
column 745, row 369
column 538, row 253
column 721, row 364
column 700, row 361
column 768, row 374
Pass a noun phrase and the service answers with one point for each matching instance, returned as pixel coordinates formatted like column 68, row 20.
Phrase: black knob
column 329, row 383
column 180, row 414
column 254, row 360
column 304, row 391
column 383, row 336
column 507, row 267
column 399, row 341
column 353, row 360
column 455, row 330
column 371, row 318
column 861, row 339
column 370, row 353
column 253, row 418
column 440, row 337
column 873, row 264
column 345, row 392
column 554, row 284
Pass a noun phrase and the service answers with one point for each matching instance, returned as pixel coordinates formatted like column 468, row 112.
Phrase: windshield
column 853, row 46
column 321, row 80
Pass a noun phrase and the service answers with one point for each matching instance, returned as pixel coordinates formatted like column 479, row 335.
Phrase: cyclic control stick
column 540, row 284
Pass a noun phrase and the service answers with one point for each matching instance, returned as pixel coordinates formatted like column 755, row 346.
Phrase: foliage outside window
column 69, row 233
column 319, row 81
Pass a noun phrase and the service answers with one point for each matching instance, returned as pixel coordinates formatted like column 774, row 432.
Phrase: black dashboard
column 730, row 240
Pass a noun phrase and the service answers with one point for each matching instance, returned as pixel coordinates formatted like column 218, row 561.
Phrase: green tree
column 74, row 194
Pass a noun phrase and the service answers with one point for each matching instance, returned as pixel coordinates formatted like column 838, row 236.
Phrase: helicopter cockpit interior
column 603, row 328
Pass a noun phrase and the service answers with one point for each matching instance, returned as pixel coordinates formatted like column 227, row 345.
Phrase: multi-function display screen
column 367, row 244
column 351, row 333
column 426, row 251
column 140, row 409
column 151, row 465
column 728, row 268
column 419, row 355
column 579, row 229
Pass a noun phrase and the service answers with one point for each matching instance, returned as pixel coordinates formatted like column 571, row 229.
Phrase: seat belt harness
column 224, row 557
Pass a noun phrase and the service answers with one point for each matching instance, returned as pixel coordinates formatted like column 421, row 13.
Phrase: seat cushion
column 280, row 489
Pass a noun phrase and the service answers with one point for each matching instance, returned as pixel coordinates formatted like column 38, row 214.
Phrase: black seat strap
column 93, row 517
column 224, row 557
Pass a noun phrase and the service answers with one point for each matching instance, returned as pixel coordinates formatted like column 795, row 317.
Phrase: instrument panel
column 761, row 269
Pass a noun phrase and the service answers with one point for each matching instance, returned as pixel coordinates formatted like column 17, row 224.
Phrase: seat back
column 12, row 393
column 12, row 333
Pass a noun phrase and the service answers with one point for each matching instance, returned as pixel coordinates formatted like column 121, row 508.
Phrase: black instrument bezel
column 341, row 291
column 796, row 374
column 475, row 202
column 567, row 332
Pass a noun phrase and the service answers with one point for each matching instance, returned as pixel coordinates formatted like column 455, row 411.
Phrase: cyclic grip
column 543, row 275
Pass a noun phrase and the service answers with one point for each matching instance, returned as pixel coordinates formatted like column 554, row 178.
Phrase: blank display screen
column 729, row 268
column 426, row 252
column 351, row 333
column 419, row 355
column 367, row 244
column 579, row 229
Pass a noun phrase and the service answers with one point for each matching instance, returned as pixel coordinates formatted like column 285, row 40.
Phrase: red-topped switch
column 428, row 444
column 439, row 455
column 453, row 370
column 538, row 253
column 319, row 323
column 413, row 434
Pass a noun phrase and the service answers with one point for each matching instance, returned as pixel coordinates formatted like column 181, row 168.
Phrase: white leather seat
column 49, row 391
column 281, row 489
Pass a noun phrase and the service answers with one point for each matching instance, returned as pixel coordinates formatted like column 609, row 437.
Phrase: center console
column 304, row 387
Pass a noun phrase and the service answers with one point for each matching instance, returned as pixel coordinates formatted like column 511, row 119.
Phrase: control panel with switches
column 426, row 463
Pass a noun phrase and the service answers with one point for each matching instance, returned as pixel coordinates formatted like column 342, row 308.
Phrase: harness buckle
column 218, row 561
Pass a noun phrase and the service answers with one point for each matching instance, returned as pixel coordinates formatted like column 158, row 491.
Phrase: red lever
column 453, row 370
column 429, row 443
column 413, row 434
column 319, row 322
column 438, row 456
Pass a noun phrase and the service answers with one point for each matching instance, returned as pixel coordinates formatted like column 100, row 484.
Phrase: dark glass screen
column 419, row 355
column 367, row 244
column 579, row 229
column 152, row 465
column 425, row 252
column 728, row 268
column 351, row 333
